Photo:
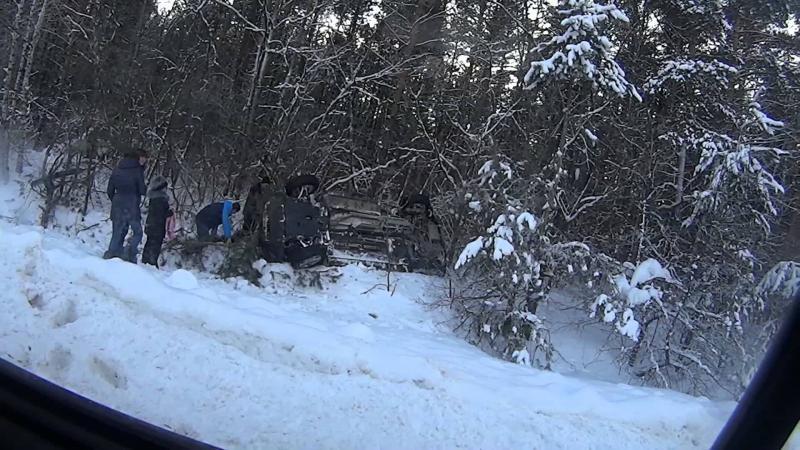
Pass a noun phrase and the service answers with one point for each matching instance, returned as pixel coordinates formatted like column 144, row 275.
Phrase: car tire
column 415, row 200
column 301, row 180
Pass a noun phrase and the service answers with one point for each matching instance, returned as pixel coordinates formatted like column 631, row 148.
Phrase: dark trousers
column 253, row 223
column 152, row 248
column 122, row 220
column 205, row 231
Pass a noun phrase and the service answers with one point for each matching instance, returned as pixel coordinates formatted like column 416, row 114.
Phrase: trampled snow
column 358, row 364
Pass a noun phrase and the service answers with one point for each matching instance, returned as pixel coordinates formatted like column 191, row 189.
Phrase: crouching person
column 214, row 215
column 155, row 228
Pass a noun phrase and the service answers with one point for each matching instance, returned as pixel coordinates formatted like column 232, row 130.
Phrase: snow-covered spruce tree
column 709, row 212
column 688, row 184
column 519, row 253
column 579, row 79
column 582, row 52
column 634, row 289
column 509, row 264
column 502, row 280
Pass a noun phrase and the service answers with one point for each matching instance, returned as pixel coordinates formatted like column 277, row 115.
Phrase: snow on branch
column 633, row 293
column 783, row 279
column 729, row 164
column 683, row 71
column 582, row 50
column 508, row 264
column 764, row 121
column 510, row 221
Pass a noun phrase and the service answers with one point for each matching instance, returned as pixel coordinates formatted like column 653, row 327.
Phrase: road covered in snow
column 351, row 366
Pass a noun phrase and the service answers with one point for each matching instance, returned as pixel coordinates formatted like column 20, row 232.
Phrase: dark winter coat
column 211, row 215
column 126, row 186
column 158, row 208
column 254, row 206
column 216, row 214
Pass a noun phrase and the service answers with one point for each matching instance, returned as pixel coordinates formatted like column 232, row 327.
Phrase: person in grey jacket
column 126, row 187
column 155, row 227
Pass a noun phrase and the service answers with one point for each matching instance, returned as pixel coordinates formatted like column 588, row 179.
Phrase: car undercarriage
column 308, row 228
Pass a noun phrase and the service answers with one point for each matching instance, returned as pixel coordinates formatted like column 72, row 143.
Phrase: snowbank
column 182, row 279
column 353, row 366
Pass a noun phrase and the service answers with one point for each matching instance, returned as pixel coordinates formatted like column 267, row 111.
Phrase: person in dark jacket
column 156, row 226
column 253, row 212
column 125, row 190
column 214, row 215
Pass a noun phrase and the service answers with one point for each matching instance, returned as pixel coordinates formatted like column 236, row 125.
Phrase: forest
column 642, row 154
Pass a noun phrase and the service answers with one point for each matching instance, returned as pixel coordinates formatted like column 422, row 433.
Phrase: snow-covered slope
column 351, row 366
column 247, row 369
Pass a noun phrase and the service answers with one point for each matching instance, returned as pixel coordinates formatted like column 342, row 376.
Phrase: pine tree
column 583, row 51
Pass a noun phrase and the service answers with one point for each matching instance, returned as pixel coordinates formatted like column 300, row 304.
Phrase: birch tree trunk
column 260, row 69
column 34, row 42
column 24, row 50
column 12, row 66
column 9, row 77
column 35, row 32
column 5, row 151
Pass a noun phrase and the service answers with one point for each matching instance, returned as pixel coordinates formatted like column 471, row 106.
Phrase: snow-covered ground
column 349, row 366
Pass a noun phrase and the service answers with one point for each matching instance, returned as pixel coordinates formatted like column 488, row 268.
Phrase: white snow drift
column 243, row 368
column 352, row 366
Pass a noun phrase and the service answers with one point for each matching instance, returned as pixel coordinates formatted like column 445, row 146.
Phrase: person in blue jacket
column 214, row 215
column 125, row 190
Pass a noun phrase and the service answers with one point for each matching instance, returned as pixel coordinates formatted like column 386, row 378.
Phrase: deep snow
column 351, row 366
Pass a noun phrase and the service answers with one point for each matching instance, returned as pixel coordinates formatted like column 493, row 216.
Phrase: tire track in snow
column 258, row 347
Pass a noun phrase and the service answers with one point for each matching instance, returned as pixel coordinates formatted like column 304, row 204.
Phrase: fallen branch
column 56, row 175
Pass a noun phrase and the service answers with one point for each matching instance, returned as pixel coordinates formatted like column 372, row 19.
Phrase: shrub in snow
column 700, row 327
column 240, row 257
column 507, row 267
column 708, row 213
column 773, row 295
column 678, row 332
column 701, row 330
column 630, row 294
column 502, row 276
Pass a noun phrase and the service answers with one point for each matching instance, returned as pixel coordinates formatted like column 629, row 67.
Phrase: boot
column 149, row 258
column 130, row 255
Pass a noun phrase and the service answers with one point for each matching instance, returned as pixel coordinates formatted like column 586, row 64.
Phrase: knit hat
column 158, row 187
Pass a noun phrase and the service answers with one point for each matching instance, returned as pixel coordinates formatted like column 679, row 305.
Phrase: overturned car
column 307, row 228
